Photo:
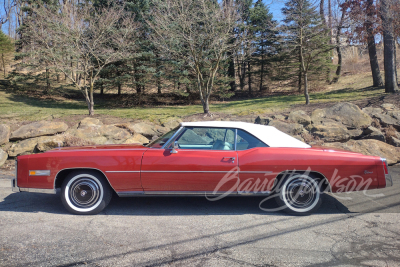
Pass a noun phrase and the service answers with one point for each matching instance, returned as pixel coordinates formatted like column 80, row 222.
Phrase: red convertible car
column 212, row 159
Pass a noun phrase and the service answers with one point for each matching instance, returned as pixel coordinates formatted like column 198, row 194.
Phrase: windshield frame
column 176, row 129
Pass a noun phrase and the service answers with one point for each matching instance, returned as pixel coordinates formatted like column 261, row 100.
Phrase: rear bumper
column 389, row 181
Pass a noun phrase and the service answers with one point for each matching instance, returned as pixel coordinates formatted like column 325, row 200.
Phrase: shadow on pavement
column 163, row 206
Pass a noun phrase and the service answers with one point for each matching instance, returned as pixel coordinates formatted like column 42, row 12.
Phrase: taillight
column 385, row 168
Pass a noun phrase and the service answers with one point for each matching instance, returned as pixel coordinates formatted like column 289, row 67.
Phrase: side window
column 247, row 141
column 207, row 138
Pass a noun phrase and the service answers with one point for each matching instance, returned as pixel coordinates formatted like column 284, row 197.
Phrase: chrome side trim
column 39, row 172
column 189, row 171
column 130, row 193
column 120, row 171
column 38, row 190
column 186, row 193
column 254, row 193
column 255, row 172
column 211, row 171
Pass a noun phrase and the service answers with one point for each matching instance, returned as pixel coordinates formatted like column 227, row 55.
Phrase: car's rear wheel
column 85, row 193
column 299, row 194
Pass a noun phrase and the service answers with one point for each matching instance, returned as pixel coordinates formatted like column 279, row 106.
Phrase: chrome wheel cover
column 84, row 193
column 301, row 194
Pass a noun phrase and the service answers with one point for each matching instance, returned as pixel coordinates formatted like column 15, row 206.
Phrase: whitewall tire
column 299, row 194
column 85, row 193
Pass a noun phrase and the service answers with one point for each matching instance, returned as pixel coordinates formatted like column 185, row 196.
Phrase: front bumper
column 14, row 186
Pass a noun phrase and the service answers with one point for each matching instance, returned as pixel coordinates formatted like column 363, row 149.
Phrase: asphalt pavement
column 356, row 229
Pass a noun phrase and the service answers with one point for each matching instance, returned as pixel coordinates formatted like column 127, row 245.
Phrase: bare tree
column 79, row 40
column 197, row 32
column 388, row 16
column 7, row 8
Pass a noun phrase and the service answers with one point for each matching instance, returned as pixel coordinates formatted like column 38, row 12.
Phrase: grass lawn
column 349, row 88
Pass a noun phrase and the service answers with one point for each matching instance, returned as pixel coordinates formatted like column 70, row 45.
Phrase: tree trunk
column 159, row 85
column 102, row 89
column 91, row 103
column 395, row 62
column 388, row 39
column 373, row 59
column 262, row 71
column 306, row 89
column 4, row 65
column 47, row 81
column 249, row 76
column 300, row 87
column 231, row 71
column 206, row 105
column 242, row 74
column 119, row 88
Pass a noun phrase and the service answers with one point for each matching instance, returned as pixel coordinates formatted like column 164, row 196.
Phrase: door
column 205, row 161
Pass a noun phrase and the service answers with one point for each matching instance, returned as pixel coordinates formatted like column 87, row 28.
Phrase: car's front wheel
column 85, row 193
column 299, row 194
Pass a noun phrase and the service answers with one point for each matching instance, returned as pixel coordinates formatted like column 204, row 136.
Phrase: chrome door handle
column 231, row 158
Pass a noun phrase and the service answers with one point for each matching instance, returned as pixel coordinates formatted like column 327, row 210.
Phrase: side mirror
column 174, row 147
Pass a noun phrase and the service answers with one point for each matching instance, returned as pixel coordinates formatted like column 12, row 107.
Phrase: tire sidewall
column 65, row 193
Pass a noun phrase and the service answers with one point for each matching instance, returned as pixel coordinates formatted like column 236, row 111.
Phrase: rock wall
column 371, row 131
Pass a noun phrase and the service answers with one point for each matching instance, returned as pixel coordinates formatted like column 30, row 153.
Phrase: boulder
column 160, row 130
column 263, row 121
column 171, row 123
column 278, row 117
column 300, row 117
column 114, row 133
column 393, row 141
column 331, row 132
column 137, row 139
column 89, row 122
column 39, row 128
column 388, row 107
column 394, row 114
column 355, row 134
column 89, row 134
column 289, row 128
column 3, row 157
column 348, row 114
column 387, row 120
column 373, row 133
column 370, row 147
column 144, row 129
column 372, row 111
column 4, row 133
column 45, row 143
column 25, row 146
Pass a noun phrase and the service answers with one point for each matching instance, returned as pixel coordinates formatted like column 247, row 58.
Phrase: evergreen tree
column 263, row 28
column 305, row 38
column 6, row 47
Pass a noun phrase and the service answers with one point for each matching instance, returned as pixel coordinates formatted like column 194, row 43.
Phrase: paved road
column 35, row 230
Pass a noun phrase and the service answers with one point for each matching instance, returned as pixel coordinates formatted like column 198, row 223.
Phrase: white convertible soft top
column 268, row 134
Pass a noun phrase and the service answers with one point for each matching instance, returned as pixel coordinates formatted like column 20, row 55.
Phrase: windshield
column 159, row 142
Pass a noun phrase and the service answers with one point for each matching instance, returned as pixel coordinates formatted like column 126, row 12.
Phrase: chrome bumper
column 14, row 186
column 389, row 181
